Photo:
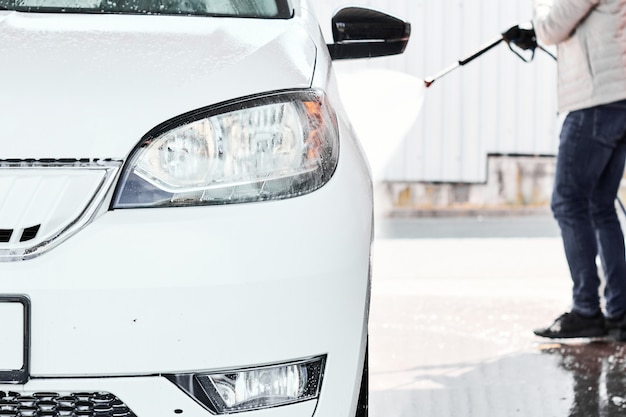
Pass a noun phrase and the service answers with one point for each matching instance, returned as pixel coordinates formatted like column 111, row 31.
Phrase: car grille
column 52, row 404
column 44, row 202
column 27, row 234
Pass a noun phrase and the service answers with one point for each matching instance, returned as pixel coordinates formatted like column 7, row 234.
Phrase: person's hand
column 522, row 37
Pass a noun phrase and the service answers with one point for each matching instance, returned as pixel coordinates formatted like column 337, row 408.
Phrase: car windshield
column 228, row 8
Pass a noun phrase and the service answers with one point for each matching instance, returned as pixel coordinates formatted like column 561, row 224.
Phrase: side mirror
column 366, row 33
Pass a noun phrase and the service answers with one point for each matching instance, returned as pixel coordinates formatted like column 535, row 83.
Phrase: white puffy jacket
column 591, row 44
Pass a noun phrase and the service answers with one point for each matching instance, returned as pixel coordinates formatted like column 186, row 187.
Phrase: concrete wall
column 514, row 185
column 522, row 184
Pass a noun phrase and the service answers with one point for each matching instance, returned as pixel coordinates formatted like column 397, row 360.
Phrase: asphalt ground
column 454, row 302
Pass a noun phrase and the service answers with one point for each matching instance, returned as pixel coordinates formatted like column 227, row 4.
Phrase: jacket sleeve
column 556, row 20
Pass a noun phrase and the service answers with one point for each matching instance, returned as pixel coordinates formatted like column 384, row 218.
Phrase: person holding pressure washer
column 591, row 43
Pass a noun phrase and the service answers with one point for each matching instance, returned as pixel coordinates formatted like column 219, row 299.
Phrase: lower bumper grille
column 52, row 404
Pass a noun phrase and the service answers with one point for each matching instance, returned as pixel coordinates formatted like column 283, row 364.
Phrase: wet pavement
column 451, row 328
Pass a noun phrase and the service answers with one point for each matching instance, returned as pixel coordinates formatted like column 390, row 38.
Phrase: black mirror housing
column 366, row 33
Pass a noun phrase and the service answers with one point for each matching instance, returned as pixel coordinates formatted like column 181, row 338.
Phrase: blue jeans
column 590, row 165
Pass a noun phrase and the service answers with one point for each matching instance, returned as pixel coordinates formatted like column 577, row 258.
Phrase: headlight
column 271, row 147
column 233, row 391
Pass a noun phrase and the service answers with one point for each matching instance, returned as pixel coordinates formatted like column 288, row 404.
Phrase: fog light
column 263, row 387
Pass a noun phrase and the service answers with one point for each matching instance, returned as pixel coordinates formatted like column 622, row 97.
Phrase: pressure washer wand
column 429, row 80
column 547, row 52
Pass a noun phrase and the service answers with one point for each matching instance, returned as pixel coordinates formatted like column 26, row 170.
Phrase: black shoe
column 616, row 328
column 572, row 324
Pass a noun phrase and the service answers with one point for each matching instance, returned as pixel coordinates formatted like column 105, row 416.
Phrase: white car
column 185, row 213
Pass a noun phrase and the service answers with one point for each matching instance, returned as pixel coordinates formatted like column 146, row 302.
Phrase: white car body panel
column 152, row 245
column 139, row 293
column 93, row 85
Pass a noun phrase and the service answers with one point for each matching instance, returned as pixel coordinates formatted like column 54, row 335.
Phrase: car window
column 231, row 8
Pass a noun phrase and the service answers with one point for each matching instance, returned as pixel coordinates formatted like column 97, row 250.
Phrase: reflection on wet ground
column 599, row 381
column 577, row 379
column 451, row 334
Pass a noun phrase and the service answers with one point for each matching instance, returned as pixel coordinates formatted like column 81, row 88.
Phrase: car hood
column 90, row 86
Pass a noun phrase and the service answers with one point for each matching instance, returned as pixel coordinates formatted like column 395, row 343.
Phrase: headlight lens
column 277, row 146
